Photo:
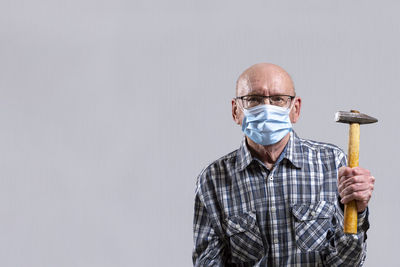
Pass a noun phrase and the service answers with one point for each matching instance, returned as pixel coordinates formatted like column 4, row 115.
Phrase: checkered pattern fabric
column 247, row 215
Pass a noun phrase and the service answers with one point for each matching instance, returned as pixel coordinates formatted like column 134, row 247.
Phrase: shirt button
column 271, row 178
column 273, row 209
column 276, row 240
column 313, row 213
column 237, row 226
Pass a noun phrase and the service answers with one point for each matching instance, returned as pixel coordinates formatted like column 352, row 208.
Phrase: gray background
column 110, row 109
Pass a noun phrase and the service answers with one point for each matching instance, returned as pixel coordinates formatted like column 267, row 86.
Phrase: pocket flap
column 312, row 211
column 240, row 223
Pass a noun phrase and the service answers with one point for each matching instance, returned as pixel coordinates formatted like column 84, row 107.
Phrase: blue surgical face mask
column 266, row 124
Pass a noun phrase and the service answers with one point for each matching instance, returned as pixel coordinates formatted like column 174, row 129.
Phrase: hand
column 356, row 184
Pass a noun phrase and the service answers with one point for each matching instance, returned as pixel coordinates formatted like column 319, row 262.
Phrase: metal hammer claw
column 354, row 118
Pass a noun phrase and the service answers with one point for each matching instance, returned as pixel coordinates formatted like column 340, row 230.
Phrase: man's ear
column 295, row 112
column 236, row 112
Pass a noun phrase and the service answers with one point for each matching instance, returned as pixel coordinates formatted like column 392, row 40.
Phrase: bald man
column 278, row 199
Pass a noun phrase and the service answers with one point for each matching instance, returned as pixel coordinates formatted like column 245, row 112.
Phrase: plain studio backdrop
column 110, row 109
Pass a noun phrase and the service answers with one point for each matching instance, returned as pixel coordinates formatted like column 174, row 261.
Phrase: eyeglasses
column 250, row 101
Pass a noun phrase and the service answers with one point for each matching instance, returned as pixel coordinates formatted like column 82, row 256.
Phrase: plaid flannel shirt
column 247, row 215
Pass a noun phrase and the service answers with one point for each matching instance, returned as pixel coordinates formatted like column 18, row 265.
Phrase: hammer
column 354, row 118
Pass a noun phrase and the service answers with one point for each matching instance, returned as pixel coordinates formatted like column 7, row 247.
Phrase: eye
column 253, row 99
column 278, row 100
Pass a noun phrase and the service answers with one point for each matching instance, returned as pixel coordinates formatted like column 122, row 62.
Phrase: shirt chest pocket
column 244, row 238
column 313, row 225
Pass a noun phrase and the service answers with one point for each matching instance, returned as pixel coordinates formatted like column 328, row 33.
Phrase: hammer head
column 353, row 117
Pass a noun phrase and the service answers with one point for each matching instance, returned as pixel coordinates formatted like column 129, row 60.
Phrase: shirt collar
column 293, row 153
column 244, row 157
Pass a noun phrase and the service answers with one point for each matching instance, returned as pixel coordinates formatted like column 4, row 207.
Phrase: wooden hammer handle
column 350, row 209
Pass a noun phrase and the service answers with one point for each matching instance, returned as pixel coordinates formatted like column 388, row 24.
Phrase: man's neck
column 268, row 154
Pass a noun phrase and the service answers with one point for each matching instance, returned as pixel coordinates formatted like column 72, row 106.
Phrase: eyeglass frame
column 267, row 97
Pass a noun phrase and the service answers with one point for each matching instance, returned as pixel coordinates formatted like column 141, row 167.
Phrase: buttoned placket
column 274, row 240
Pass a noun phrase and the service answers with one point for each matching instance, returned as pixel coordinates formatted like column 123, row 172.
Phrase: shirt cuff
column 361, row 217
column 362, row 220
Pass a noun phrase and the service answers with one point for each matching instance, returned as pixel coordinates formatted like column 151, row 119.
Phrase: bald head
column 264, row 79
column 267, row 80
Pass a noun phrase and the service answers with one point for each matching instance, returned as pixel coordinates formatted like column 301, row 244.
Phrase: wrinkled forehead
column 265, row 81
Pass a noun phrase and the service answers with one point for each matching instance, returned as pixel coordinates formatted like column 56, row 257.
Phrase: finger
column 346, row 181
column 343, row 172
column 363, row 196
column 356, row 187
column 347, row 172
column 372, row 180
column 347, row 188
column 360, row 179
column 360, row 171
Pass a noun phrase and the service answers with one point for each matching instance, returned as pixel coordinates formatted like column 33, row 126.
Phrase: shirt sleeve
column 208, row 246
column 348, row 249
